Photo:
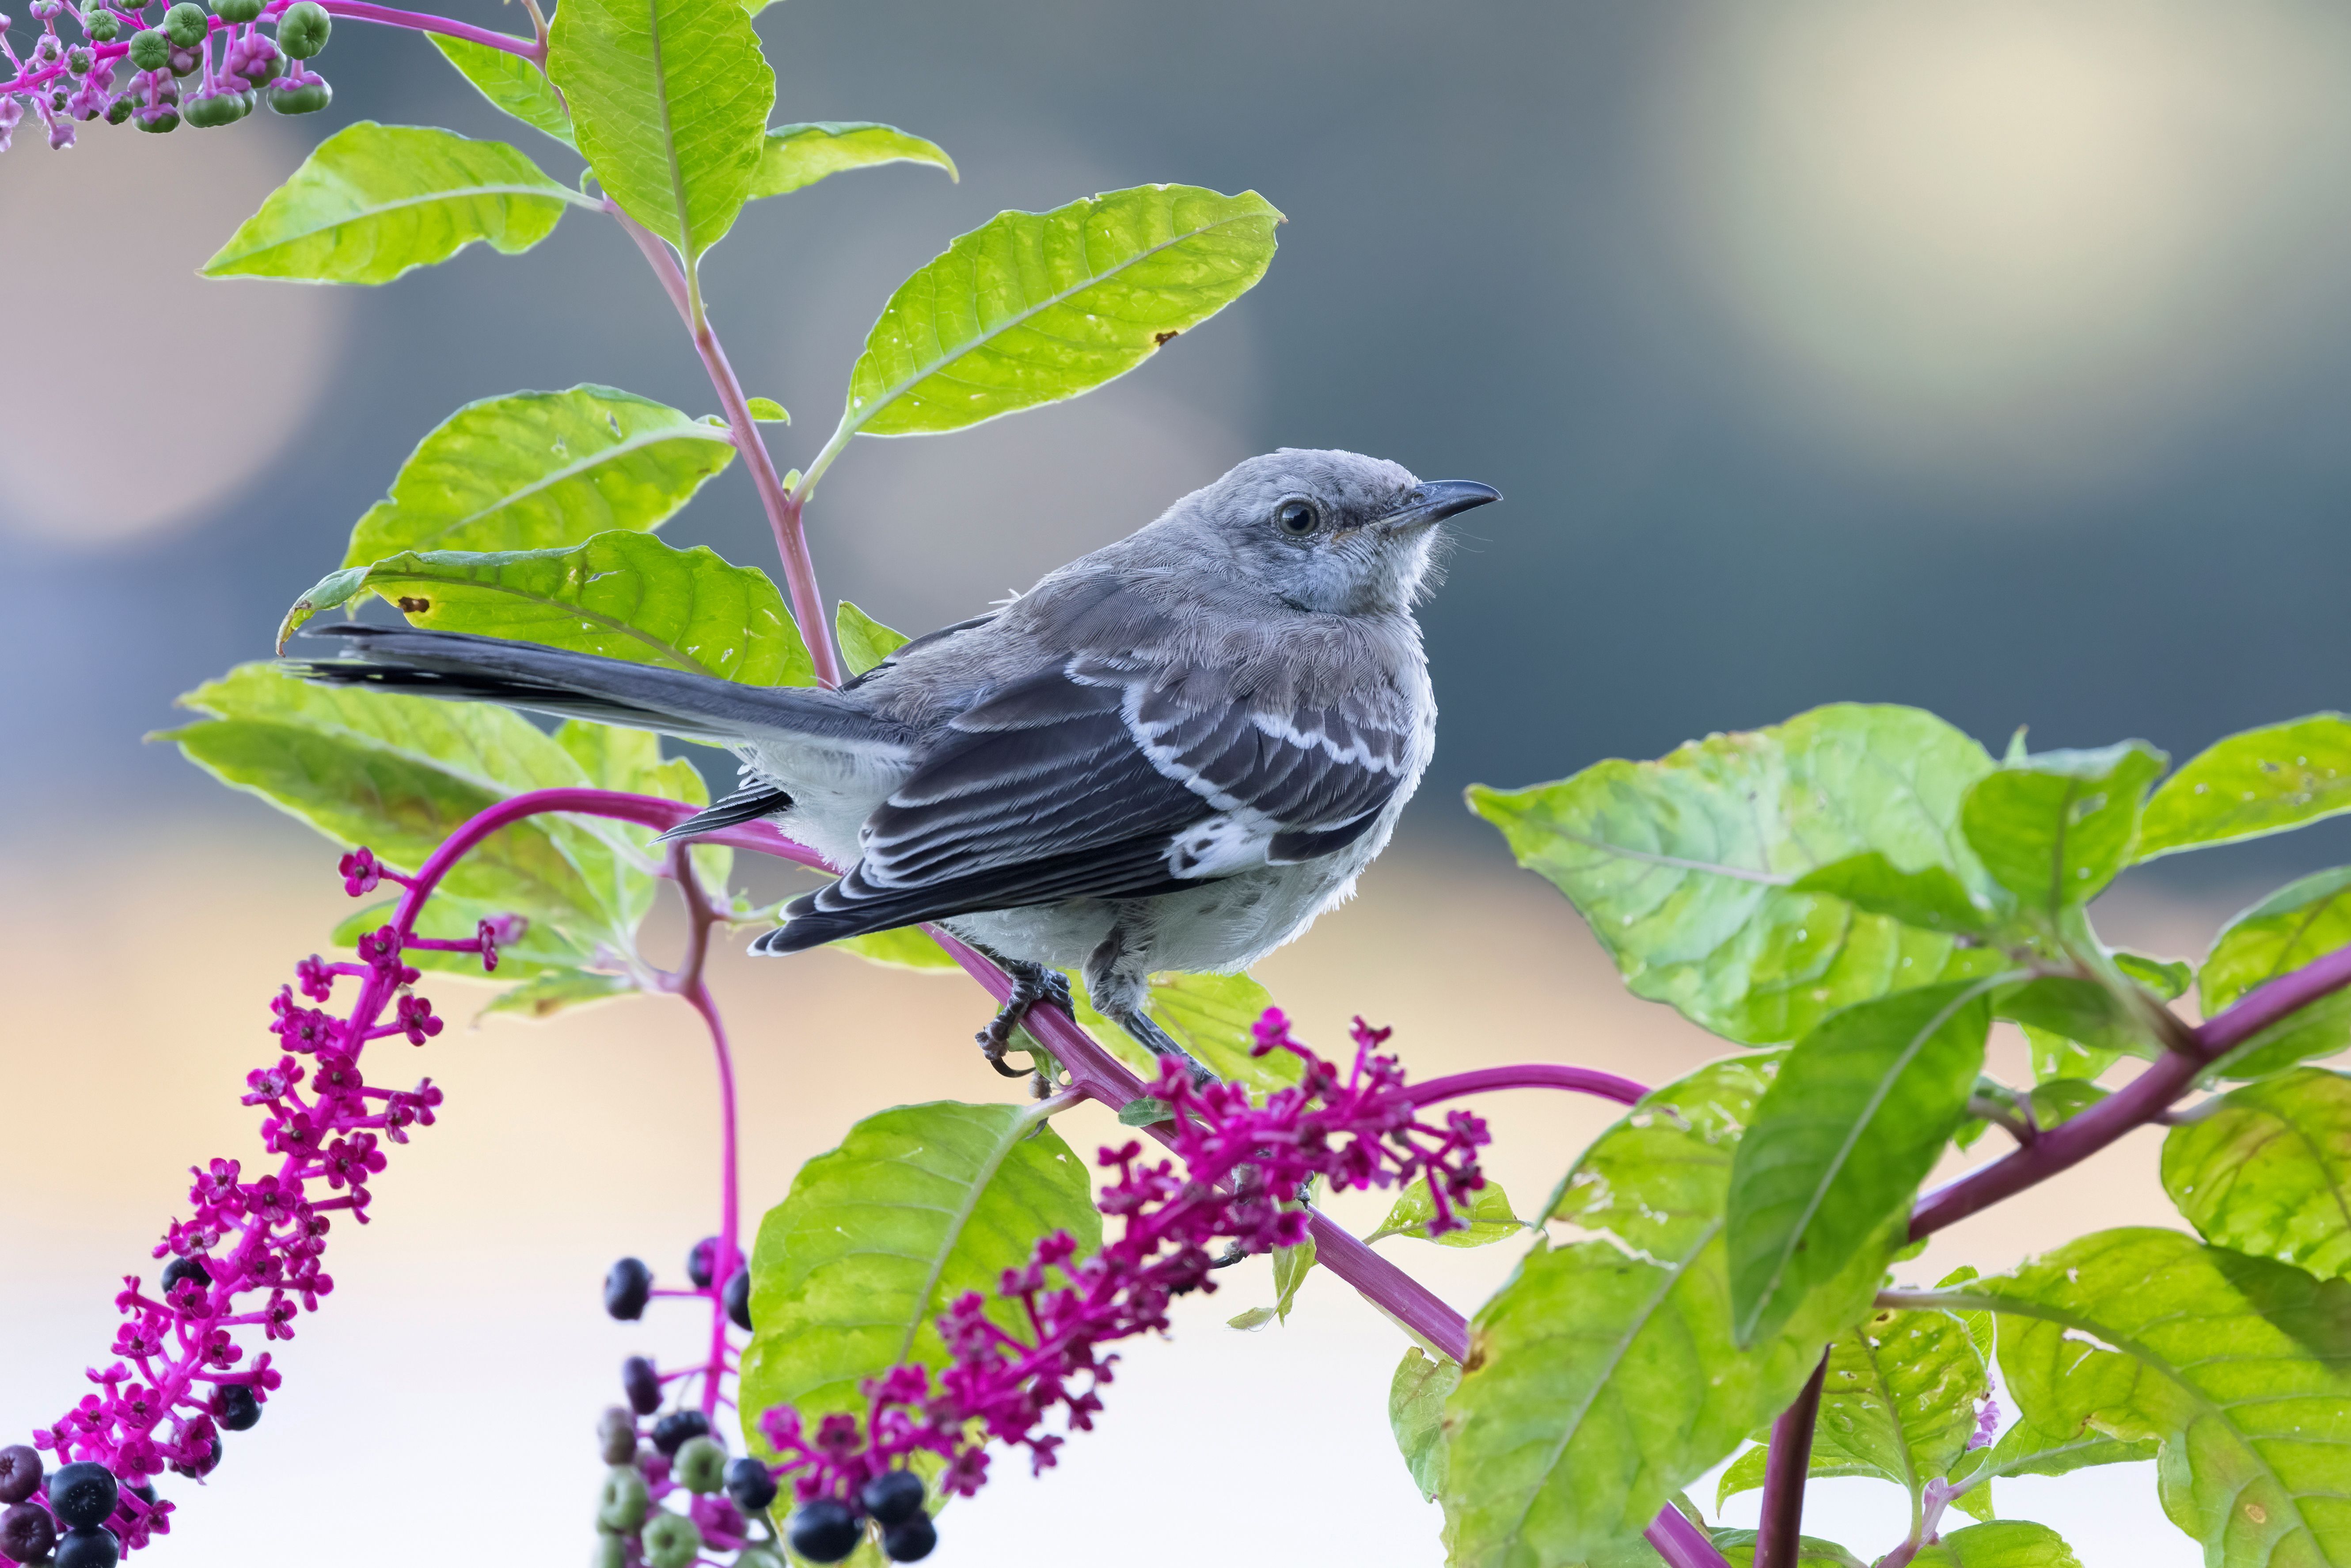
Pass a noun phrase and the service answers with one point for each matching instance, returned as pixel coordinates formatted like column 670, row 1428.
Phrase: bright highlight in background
column 2015, row 235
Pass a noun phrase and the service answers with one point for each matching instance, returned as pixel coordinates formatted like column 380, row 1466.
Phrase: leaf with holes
column 669, row 105
column 1601, row 1378
column 2300, row 922
column 2027, row 1449
column 541, row 471
column 620, row 595
column 2056, row 827
column 1855, row 1119
column 797, row 156
column 916, row 1207
column 2267, row 1170
column 1685, row 867
column 2237, row 1366
column 375, row 201
column 1416, row 1396
column 1032, row 307
column 2263, row 781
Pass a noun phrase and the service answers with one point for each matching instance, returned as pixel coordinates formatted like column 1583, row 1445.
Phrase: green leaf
column 542, row 949
column 539, row 471
column 2027, row 1449
column 766, row 411
column 2083, row 1011
column 1490, row 1217
column 1685, row 866
column 511, row 83
column 1900, row 1402
column 372, row 202
column 1857, row 1117
column 2054, row 1056
column 795, row 156
column 630, row 761
column 669, row 103
column 2240, row 1367
column 1601, row 1378
column 1032, row 307
column 864, row 642
column 1746, row 1472
column 1290, row 1267
column 2167, row 977
column 551, row 994
column 621, row 595
column 2059, row 1100
column 1209, row 1016
column 2268, row 1171
column 2251, row 785
column 1931, row 898
column 907, row 948
column 2056, row 828
column 1416, row 1396
column 916, row 1207
column 1145, row 1111
column 401, row 774
column 1738, row 1548
column 2003, row 1544
column 2301, row 921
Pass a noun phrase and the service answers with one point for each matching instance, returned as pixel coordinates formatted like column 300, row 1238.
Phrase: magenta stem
column 530, row 49
column 2138, row 1102
column 783, row 509
column 1787, row 1464
column 688, row 983
column 1527, row 1075
column 1682, row 1543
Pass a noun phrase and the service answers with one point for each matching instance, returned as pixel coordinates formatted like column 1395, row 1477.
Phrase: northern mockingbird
column 1173, row 753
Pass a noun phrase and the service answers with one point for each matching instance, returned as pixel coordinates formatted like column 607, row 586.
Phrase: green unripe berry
column 164, row 119
column 102, row 26
column 617, row 1431
column 150, row 50
column 215, row 110
column 186, row 25
column 620, row 1507
column 672, row 1541
column 700, row 1467
column 300, row 99
column 238, row 10
column 302, row 28
column 610, row 1552
column 120, row 109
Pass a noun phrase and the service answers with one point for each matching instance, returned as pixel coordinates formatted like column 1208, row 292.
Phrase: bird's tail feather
column 462, row 666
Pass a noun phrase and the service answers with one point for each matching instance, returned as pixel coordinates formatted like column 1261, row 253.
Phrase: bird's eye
column 1296, row 518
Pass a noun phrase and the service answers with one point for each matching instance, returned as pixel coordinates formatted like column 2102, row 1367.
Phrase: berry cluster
column 1241, row 1165
column 679, row 1453
column 247, row 1256
column 175, row 72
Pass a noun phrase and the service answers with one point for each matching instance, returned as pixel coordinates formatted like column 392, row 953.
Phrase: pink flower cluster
column 1242, row 1167
column 248, row 1255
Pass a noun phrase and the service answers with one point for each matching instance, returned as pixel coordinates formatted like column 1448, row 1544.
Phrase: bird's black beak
column 1436, row 500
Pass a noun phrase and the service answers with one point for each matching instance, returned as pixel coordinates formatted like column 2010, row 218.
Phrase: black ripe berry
column 204, row 1466
column 823, row 1530
column 910, row 1541
column 26, row 1532
column 83, row 1494
column 749, row 1484
column 93, row 1548
column 180, row 1269
column 738, row 1298
column 893, row 1497
column 642, row 1384
column 20, row 1473
column 234, row 1407
column 699, row 1262
column 677, row 1428
column 627, row 1288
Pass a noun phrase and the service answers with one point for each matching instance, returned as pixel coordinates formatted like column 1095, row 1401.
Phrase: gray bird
column 1173, row 753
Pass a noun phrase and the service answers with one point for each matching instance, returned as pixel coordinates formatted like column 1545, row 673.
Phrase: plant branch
column 783, row 509
column 1787, row 1465
column 531, row 49
column 688, row 983
column 1682, row 1542
column 1527, row 1075
column 2142, row 1100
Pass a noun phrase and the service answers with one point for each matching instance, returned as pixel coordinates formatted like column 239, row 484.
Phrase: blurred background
column 1993, row 358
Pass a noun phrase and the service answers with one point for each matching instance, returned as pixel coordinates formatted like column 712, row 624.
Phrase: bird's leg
column 1031, row 983
column 1118, row 983
column 1159, row 1042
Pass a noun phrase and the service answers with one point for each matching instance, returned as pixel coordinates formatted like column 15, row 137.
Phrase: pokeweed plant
column 1851, row 899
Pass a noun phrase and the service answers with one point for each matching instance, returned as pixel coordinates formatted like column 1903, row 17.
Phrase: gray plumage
column 1170, row 754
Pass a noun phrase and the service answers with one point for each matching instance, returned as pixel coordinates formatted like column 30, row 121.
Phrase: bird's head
column 1335, row 532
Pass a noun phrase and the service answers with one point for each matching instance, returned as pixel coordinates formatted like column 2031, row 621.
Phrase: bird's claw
column 1032, row 985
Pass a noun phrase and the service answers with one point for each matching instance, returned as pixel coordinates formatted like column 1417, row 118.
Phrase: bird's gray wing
column 1110, row 777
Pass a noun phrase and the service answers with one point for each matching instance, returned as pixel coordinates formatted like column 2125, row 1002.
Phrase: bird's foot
column 1159, row 1042
column 1032, row 984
